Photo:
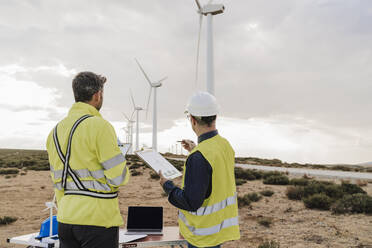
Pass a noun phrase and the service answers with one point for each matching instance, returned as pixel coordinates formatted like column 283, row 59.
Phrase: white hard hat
column 202, row 104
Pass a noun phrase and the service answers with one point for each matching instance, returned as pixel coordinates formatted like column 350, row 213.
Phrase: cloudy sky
column 293, row 77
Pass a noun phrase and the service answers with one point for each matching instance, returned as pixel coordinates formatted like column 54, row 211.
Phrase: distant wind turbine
column 153, row 85
column 136, row 109
column 129, row 131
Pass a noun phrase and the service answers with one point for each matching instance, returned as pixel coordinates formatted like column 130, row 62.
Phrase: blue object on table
column 44, row 230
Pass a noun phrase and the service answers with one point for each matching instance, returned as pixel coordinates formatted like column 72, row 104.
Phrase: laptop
column 145, row 220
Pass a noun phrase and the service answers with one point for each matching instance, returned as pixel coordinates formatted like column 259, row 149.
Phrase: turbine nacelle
column 213, row 9
column 156, row 85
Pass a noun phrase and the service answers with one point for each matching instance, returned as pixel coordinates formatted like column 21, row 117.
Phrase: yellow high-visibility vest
column 88, row 195
column 216, row 221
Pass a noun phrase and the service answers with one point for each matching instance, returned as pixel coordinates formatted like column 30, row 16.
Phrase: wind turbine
column 129, row 130
column 137, row 109
column 208, row 10
column 154, row 86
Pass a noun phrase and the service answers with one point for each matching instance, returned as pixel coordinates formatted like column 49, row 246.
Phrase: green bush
column 267, row 193
column 349, row 188
column 295, row 192
column 243, row 201
column 240, row 181
column 299, row 181
column 7, row 220
column 277, row 180
column 269, row 244
column 253, row 197
column 8, row 171
column 357, row 203
column 318, row 201
column 154, row 175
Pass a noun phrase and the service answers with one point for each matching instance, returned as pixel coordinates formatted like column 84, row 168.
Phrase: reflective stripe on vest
column 209, row 230
column 78, row 187
column 215, row 207
column 82, row 173
column 88, row 184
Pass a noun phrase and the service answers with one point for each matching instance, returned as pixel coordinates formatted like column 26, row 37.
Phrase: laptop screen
column 145, row 218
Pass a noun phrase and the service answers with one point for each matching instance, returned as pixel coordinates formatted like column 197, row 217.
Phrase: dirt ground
column 293, row 225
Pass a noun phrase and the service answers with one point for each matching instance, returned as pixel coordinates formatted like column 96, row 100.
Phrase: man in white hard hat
column 207, row 200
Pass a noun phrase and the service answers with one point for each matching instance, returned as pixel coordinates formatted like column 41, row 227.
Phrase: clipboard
column 157, row 162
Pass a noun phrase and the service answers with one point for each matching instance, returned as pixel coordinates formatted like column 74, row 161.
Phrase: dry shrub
column 277, row 180
column 294, row 193
column 241, row 173
column 6, row 220
column 318, row 201
column 361, row 183
column 243, row 201
column 299, row 181
column 154, row 175
column 135, row 165
column 357, row 203
column 305, row 176
column 9, row 171
column 135, row 173
column 349, row 188
column 267, row 174
column 240, row 181
column 267, row 193
column 253, row 197
column 269, row 244
column 265, row 221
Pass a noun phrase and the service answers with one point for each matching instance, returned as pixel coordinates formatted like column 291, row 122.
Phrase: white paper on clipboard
column 158, row 162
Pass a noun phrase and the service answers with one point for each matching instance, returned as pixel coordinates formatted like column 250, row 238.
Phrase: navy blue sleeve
column 197, row 181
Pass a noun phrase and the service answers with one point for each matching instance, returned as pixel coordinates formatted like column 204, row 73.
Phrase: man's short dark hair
column 205, row 120
column 86, row 84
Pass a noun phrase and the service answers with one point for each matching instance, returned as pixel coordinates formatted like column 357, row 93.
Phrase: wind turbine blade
column 144, row 73
column 198, row 49
column 199, row 6
column 131, row 96
column 132, row 115
column 161, row 80
column 148, row 102
column 126, row 117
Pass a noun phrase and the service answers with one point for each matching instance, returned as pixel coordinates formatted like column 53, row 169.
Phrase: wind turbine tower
column 137, row 109
column 209, row 10
column 153, row 85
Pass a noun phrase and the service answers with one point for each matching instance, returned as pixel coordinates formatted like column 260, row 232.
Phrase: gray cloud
column 309, row 59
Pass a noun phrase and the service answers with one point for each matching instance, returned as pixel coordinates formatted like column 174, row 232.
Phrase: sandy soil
column 293, row 224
